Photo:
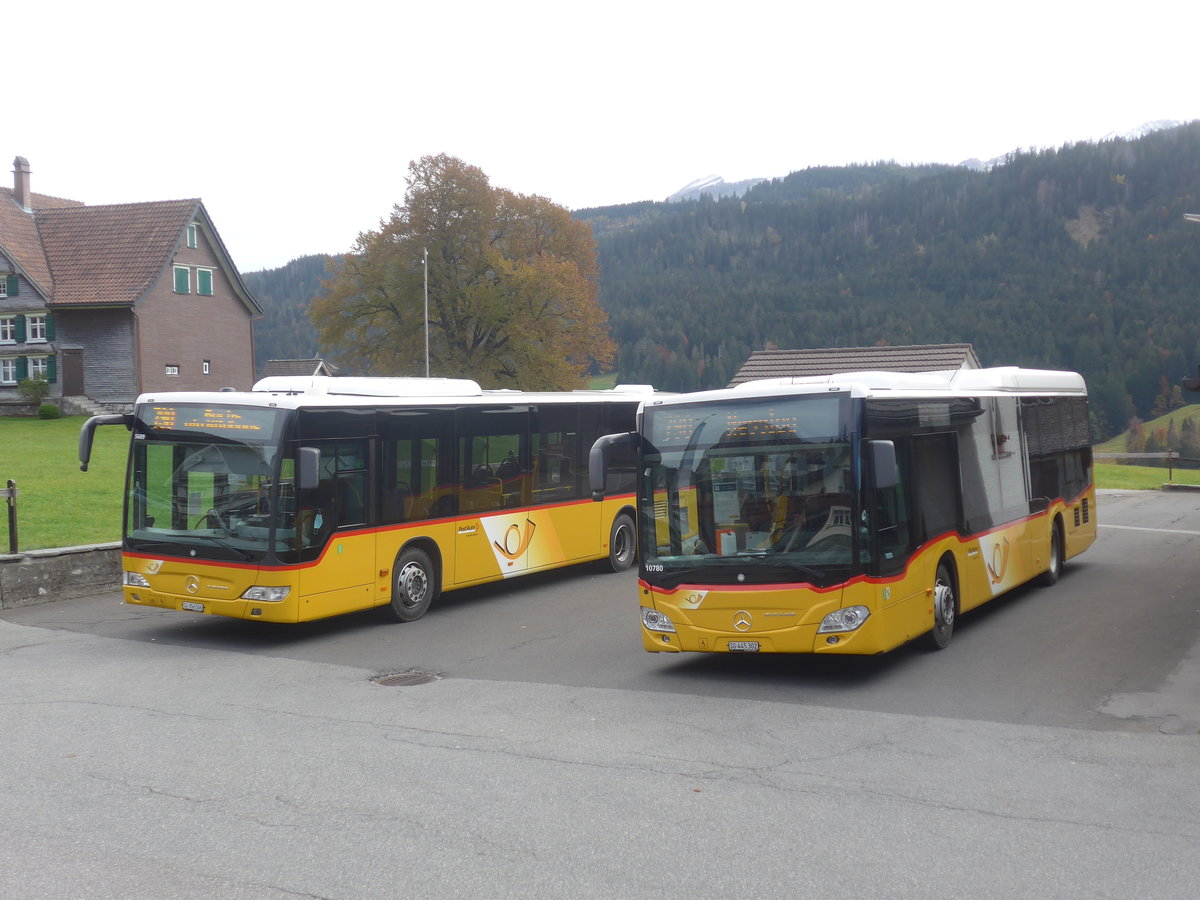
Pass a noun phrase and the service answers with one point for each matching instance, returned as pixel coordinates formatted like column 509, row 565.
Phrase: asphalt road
column 1054, row 748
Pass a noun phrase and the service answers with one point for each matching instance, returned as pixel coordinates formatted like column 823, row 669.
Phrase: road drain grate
column 405, row 679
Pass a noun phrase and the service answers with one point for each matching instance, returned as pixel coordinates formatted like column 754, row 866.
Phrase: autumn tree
column 512, row 287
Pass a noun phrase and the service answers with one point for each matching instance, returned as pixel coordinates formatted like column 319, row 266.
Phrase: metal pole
column 11, row 494
column 426, row 263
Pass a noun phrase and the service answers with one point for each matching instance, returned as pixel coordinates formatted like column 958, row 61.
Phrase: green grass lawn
column 59, row 506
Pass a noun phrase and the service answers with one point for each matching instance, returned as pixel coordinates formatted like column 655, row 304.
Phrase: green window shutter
column 19, row 322
column 52, row 369
column 12, row 284
column 49, row 326
column 182, row 281
column 22, row 369
column 204, row 282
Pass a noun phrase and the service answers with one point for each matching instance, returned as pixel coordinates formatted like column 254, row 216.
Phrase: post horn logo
column 522, row 540
column 998, row 564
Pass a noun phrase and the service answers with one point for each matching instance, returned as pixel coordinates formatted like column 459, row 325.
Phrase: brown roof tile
column 314, row 366
column 916, row 358
column 19, row 238
column 110, row 255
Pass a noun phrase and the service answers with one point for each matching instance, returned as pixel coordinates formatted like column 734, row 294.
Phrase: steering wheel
column 214, row 514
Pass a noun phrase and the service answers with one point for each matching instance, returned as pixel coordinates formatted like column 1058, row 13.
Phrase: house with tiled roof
column 835, row 360
column 106, row 302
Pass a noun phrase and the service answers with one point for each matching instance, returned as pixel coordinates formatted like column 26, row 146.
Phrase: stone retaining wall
column 38, row 576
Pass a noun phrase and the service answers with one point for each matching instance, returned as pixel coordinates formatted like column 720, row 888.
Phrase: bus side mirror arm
column 884, row 471
column 89, row 430
column 598, row 459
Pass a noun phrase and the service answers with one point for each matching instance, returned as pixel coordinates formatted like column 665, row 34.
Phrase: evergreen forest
column 1078, row 258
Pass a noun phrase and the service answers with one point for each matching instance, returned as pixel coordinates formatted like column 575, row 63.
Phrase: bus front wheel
column 414, row 585
column 945, row 607
column 621, row 543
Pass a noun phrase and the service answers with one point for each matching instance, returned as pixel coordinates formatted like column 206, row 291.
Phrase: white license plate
column 192, row 606
column 743, row 646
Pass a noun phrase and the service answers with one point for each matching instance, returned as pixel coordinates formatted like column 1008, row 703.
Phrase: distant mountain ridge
column 717, row 187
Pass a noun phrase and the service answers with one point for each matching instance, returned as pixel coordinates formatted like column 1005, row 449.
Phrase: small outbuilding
column 831, row 361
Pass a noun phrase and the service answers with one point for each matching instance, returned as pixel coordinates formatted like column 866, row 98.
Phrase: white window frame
column 170, row 369
column 8, row 329
column 175, row 270
column 39, row 367
column 35, row 329
column 207, row 367
column 192, row 240
column 212, row 282
column 8, row 370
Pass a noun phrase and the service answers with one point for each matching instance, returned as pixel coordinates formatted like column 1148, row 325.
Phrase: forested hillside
column 1076, row 258
column 1072, row 258
column 284, row 331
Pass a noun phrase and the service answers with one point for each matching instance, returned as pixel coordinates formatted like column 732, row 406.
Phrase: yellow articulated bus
column 310, row 497
column 855, row 512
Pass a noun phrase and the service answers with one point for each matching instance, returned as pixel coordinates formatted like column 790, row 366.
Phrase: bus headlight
column 848, row 619
column 266, row 594
column 656, row 621
column 134, row 579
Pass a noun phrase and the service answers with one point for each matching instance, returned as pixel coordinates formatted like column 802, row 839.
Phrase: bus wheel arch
column 416, row 580
column 622, row 541
column 946, row 605
column 1057, row 555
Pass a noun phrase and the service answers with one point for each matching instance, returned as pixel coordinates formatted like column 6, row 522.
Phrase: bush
column 34, row 390
column 48, row 411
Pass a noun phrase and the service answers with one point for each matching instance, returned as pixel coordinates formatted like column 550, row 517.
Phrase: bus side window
column 493, row 457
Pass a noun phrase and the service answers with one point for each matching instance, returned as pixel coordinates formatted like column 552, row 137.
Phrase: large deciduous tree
column 512, row 287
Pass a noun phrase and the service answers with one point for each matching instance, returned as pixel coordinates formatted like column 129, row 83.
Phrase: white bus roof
column 294, row 391
column 1003, row 380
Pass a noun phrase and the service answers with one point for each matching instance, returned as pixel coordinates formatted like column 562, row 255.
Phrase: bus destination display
column 244, row 422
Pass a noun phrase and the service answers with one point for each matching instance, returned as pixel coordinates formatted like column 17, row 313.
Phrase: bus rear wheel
column 621, row 543
column 945, row 608
column 1054, row 563
column 414, row 585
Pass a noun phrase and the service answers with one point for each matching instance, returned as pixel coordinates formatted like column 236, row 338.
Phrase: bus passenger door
column 332, row 522
column 903, row 576
column 568, row 520
column 494, row 531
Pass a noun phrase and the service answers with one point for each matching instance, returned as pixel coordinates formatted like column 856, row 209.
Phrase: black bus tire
column 1054, row 563
column 414, row 584
column 945, row 607
column 621, row 543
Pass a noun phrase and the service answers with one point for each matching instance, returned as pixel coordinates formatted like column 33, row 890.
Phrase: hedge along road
column 156, row 754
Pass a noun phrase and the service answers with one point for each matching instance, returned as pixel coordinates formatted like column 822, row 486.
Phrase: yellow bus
column 855, row 512
column 310, row 497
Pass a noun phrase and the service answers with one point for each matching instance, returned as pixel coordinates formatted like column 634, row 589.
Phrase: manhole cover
column 405, row 679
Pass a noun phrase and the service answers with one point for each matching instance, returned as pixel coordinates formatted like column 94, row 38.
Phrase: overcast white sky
column 295, row 121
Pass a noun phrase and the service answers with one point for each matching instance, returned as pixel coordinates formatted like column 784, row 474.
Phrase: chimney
column 21, row 183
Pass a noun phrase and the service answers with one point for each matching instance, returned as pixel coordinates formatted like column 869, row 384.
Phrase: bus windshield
column 756, row 491
column 208, row 479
